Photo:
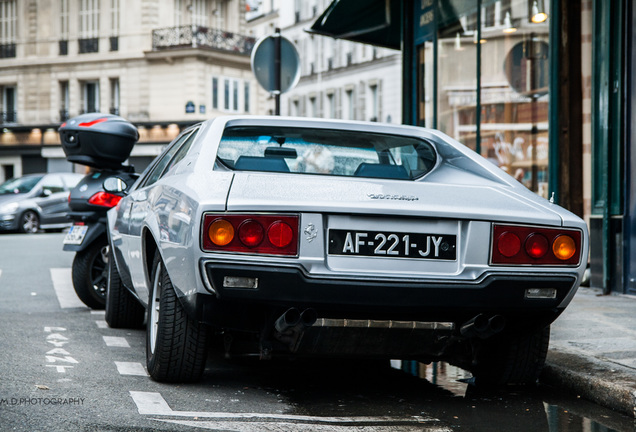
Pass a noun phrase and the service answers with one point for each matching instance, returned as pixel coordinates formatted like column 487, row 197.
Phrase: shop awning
column 375, row 22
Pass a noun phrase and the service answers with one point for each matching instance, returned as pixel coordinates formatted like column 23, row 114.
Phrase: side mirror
column 46, row 193
column 114, row 185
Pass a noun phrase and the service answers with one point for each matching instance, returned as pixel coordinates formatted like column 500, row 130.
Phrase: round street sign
column 264, row 63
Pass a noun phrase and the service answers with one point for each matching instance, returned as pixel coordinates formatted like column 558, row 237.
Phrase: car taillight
column 526, row 245
column 104, row 199
column 251, row 233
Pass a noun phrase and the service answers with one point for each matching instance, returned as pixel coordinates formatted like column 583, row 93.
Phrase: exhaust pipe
column 291, row 325
column 287, row 321
column 482, row 327
column 474, row 326
column 308, row 317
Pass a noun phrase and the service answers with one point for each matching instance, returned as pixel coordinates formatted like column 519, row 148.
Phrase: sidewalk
column 593, row 350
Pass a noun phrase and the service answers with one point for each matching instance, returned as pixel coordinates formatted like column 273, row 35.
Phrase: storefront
column 538, row 87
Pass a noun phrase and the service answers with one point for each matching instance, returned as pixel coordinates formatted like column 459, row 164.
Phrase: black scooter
column 102, row 142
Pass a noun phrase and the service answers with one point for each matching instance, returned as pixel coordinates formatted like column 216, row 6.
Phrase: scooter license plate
column 76, row 234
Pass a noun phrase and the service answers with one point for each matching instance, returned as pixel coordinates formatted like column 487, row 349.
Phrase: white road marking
column 98, row 312
column 63, row 286
column 152, row 403
column 101, row 324
column 115, row 341
column 131, row 368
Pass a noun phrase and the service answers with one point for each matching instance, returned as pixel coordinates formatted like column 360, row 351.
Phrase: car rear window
column 325, row 151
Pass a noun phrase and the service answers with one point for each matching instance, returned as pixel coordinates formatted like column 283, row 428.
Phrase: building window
column 114, row 96
column 64, row 101
column 9, row 106
column 331, row 105
column 226, row 94
column 295, row 108
column 349, row 105
column 373, row 101
column 235, row 96
column 90, row 97
column 114, row 25
column 313, row 107
column 200, row 13
column 246, row 97
column 64, row 16
column 8, row 20
column 89, row 26
column 178, row 13
column 215, row 93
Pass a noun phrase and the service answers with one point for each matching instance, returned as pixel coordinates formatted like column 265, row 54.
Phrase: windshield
column 19, row 185
column 325, row 151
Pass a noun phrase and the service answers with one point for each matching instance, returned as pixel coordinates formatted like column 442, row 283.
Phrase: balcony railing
column 9, row 116
column 201, row 37
column 7, row 50
column 90, row 45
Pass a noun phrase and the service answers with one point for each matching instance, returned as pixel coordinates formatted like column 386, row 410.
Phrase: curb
column 603, row 382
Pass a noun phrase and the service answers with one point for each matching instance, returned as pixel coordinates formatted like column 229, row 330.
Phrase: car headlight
column 9, row 208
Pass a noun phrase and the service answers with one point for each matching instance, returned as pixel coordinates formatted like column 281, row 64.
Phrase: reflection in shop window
column 501, row 109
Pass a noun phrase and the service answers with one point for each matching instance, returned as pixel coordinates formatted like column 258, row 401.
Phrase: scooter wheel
column 90, row 274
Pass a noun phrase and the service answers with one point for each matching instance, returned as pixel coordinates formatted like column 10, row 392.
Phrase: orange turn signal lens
column 564, row 247
column 221, row 232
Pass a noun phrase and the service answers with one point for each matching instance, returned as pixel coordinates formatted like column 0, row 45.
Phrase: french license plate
column 76, row 234
column 392, row 244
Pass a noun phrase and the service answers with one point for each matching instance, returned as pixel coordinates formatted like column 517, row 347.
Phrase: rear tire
column 514, row 360
column 176, row 345
column 90, row 275
column 122, row 308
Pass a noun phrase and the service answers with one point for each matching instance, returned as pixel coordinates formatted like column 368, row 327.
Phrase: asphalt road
column 63, row 369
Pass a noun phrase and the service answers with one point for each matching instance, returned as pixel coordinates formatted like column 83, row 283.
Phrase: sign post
column 276, row 65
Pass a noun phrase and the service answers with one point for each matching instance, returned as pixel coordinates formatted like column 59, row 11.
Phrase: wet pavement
column 593, row 350
column 544, row 408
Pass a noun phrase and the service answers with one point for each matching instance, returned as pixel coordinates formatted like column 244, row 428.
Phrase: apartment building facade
column 338, row 79
column 163, row 65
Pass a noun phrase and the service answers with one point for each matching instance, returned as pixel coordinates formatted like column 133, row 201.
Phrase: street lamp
column 538, row 13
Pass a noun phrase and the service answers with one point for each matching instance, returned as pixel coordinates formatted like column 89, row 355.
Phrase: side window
column 53, row 184
column 181, row 153
column 156, row 172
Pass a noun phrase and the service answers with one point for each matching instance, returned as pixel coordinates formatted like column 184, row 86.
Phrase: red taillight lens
column 537, row 245
column 251, row 233
column 527, row 245
column 104, row 199
column 255, row 233
column 280, row 234
column 508, row 244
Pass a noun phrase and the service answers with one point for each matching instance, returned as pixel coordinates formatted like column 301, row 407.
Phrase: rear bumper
column 279, row 288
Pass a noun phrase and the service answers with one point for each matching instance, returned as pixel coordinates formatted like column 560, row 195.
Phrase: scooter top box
column 98, row 140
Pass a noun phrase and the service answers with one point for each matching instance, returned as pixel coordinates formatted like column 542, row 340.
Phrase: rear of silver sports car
column 459, row 266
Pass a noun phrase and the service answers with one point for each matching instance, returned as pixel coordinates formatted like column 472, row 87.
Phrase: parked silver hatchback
column 36, row 202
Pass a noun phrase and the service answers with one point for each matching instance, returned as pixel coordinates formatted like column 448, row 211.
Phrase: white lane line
column 115, row 341
column 101, row 324
column 63, row 286
column 98, row 312
column 131, row 368
column 152, row 403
